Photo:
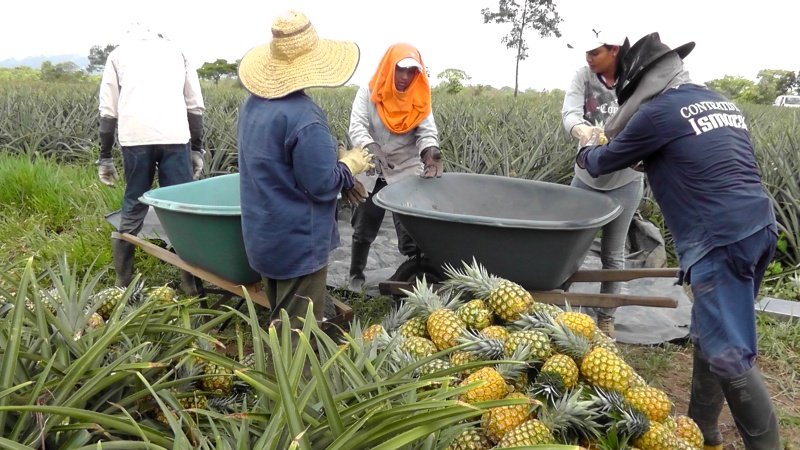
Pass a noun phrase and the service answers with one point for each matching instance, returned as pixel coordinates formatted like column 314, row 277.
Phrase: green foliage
column 771, row 83
column 737, row 89
column 98, row 56
column 21, row 73
column 538, row 15
column 61, row 72
column 217, row 69
column 452, row 80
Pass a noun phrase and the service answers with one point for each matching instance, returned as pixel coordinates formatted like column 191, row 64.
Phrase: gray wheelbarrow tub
column 532, row 232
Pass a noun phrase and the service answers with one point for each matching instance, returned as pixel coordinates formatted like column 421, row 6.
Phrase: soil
column 676, row 382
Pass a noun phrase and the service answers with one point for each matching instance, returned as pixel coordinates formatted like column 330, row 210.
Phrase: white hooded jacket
column 149, row 86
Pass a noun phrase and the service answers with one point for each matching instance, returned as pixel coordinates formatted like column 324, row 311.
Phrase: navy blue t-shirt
column 700, row 164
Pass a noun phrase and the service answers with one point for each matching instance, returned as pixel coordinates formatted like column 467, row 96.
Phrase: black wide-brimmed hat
column 633, row 61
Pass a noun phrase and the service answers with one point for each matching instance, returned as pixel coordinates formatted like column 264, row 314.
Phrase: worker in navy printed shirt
column 695, row 148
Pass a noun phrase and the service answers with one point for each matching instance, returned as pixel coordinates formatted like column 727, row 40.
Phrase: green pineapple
column 475, row 314
column 162, row 295
column 470, row 439
column 108, row 299
column 537, row 342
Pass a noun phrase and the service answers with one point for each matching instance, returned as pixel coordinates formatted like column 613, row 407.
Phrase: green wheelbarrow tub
column 531, row 232
column 202, row 220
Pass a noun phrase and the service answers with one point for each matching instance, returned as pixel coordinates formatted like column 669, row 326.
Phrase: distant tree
column 452, row 79
column 735, row 88
column 65, row 71
column 98, row 56
column 216, row 70
column 772, row 83
column 539, row 15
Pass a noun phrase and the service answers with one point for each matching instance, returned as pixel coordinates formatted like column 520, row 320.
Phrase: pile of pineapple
column 564, row 380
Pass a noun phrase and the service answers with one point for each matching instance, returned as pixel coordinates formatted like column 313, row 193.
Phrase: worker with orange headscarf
column 392, row 118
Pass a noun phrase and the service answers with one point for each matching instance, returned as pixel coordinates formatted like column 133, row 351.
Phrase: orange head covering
column 400, row 112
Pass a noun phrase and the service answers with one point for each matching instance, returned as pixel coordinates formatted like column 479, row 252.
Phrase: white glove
column 581, row 131
column 106, row 171
column 197, row 164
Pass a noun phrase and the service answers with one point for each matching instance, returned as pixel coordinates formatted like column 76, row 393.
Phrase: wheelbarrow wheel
column 415, row 268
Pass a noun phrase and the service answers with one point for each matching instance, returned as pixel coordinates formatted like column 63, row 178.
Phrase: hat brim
column 329, row 64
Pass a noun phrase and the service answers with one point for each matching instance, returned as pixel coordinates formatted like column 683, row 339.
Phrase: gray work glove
column 106, row 171
column 432, row 160
column 380, row 161
column 197, row 164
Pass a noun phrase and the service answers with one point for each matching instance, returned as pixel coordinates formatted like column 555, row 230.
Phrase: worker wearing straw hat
column 291, row 170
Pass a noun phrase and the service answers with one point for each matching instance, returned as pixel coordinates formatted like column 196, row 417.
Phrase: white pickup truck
column 791, row 101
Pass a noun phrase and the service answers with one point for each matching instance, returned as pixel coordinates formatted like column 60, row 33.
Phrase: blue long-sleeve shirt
column 290, row 178
column 700, row 164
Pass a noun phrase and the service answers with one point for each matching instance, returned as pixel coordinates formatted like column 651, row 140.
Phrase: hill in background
column 36, row 61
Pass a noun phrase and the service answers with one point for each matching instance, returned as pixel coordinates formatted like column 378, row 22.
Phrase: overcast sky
column 733, row 37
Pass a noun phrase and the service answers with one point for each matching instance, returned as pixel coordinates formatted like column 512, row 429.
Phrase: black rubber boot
column 189, row 284
column 358, row 262
column 751, row 408
column 123, row 252
column 706, row 400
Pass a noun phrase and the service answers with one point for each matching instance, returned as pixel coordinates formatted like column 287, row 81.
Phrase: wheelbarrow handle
column 622, row 274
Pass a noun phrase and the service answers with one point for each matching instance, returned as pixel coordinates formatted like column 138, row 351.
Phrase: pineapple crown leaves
column 520, row 364
column 537, row 320
column 425, row 300
column 398, row 316
column 473, row 278
column 565, row 340
column 571, row 416
column 481, row 345
column 611, row 405
column 548, row 385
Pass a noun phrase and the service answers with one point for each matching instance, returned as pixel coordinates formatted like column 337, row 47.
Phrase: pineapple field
column 477, row 364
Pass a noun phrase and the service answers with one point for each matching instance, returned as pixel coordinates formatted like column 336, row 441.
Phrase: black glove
column 432, row 160
column 108, row 127
column 357, row 195
column 580, row 159
column 196, row 132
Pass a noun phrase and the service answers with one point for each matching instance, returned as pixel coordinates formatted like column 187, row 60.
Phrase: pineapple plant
column 444, row 327
column 470, row 438
column 505, row 298
column 570, row 416
column 475, row 314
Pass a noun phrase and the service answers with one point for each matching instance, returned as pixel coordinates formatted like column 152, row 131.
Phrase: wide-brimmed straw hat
column 296, row 59
column 633, row 61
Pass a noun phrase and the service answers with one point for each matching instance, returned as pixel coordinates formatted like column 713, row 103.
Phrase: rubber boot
column 123, row 252
column 751, row 408
column 189, row 284
column 358, row 262
column 705, row 401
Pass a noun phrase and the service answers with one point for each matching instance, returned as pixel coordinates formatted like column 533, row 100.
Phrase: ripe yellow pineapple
column 687, row 429
column 657, row 437
column 653, row 402
column 564, row 367
column 569, row 413
column 579, row 323
column 496, row 422
column 507, row 299
column 372, row 332
column 496, row 382
column 444, row 327
column 470, row 439
column 475, row 314
column 599, row 366
column 495, row 332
